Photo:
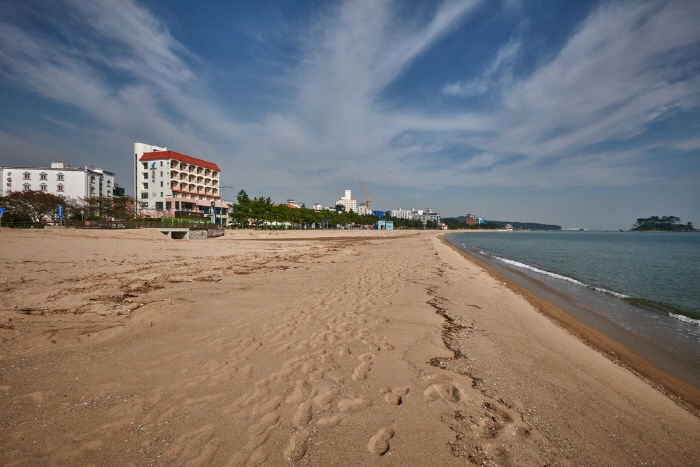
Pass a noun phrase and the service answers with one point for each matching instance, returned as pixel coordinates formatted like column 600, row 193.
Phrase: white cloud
column 629, row 64
column 498, row 75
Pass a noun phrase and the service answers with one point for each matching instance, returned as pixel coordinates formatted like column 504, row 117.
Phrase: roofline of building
column 158, row 155
column 75, row 169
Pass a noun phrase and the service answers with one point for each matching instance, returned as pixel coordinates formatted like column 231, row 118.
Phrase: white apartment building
column 363, row 210
column 416, row 214
column 404, row 213
column 166, row 181
column 59, row 179
column 347, row 201
column 428, row 215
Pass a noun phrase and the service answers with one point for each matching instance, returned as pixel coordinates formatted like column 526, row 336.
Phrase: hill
column 518, row 225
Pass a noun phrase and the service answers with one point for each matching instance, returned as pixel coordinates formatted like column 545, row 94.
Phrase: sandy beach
column 357, row 348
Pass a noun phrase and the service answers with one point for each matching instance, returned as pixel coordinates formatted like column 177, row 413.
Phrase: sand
column 355, row 348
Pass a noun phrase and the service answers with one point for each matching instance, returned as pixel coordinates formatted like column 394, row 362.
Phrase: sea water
column 639, row 288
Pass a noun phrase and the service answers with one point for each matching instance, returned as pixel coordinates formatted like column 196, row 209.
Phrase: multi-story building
column 416, row 214
column 428, row 215
column 401, row 213
column 347, row 201
column 168, row 183
column 59, row 179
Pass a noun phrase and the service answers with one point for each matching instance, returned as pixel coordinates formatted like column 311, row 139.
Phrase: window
column 168, row 205
column 59, row 187
column 43, row 176
column 161, row 164
column 159, row 205
column 27, row 186
column 44, row 187
column 161, row 173
column 144, row 195
column 27, row 176
column 145, row 165
column 161, row 183
column 161, row 194
column 59, row 177
column 145, row 186
column 145, row 175
column 145, row 205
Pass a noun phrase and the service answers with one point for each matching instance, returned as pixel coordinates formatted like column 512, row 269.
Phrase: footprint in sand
column 302, row 417
column 353, row 405
column 446, row 390
column 296, row 447
column 379, row 443
column 394, row 396
column 301, row 391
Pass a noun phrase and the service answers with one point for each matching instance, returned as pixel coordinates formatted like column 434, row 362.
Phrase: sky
column 584, row 114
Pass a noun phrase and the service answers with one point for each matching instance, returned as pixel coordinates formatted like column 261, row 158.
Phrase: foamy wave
column 610, row 292
column 685, row 319
column 557, row 276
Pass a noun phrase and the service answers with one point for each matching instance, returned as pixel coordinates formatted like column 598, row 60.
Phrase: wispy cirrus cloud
column 629, row 65
column 625, row 67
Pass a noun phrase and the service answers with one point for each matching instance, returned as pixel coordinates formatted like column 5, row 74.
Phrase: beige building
column 167, row 182
column 347, row 201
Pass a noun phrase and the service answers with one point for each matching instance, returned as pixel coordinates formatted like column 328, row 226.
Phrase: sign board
column 60, row 211
column 213, row 212
column 2, row 211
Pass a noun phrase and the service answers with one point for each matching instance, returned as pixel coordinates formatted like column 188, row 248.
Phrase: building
column 428, row 215
column 170, row 184
column 401, row 213
column 347, row 201
column 59, row 179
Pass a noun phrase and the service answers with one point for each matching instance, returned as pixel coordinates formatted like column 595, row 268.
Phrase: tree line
column 666, row 223
column 34, row 206
column 453, row 223
column 261, row 212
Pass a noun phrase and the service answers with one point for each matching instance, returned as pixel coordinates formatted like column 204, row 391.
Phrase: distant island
column 665, row 224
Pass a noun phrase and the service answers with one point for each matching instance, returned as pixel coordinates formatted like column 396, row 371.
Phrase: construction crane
column 368, row 198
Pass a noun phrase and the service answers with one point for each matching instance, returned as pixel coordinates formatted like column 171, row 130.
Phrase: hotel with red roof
column 167, row 182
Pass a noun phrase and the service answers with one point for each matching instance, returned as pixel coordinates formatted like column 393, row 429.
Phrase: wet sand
column 303, row 348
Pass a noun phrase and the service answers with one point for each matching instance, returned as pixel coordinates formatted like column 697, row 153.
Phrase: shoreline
column 681, row 392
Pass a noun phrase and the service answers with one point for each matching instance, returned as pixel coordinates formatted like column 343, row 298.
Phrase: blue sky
column 578, row 113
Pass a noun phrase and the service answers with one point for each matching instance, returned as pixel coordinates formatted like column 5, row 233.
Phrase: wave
column 555, row 275
column 634, row 300
column 685, row 319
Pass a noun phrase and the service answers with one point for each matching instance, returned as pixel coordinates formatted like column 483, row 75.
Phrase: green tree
column 36, row 205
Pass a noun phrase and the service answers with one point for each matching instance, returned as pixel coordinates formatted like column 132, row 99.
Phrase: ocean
column 639, row 288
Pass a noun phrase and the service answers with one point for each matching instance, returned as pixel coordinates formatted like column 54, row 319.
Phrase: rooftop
column 157, row 155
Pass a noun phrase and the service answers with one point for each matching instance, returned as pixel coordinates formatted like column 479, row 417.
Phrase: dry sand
column 302, row 348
